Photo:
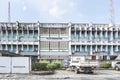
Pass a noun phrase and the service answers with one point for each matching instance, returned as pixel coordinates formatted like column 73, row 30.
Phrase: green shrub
column 105, row 65
column 37, row 66
column 41, row 65
column 50, row 67
column 56, row 64
column 46, row 65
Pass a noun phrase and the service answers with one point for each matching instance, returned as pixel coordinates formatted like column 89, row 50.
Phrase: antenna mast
column 111, row 12
column 9, row 16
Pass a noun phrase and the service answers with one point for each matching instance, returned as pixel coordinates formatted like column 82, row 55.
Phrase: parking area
column 65, row 75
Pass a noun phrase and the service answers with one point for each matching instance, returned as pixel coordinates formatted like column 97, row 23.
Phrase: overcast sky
column 79, row 11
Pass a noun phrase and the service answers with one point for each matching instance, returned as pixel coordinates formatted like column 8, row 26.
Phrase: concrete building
column 42, row 40
column 59, row 40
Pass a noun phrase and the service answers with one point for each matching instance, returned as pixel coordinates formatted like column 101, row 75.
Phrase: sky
column 59, row 11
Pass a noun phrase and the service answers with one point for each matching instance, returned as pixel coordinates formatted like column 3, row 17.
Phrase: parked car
column 117, row 66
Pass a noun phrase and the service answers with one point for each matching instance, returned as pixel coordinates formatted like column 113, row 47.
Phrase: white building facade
column 59, row 40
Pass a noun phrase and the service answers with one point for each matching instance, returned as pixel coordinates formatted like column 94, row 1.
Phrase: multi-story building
column 42, row 40
column 95, row 39
column 59, row 40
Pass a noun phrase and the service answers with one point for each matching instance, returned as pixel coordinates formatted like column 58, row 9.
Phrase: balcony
column 54, row 52
column 80, row 53
column 30, row 39
column 28, row 53
column 54, row 38
column 116, row 53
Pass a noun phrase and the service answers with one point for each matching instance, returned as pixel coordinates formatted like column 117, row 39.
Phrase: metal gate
column 15, row 65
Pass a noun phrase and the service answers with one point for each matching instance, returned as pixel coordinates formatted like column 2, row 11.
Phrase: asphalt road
column 66, row 75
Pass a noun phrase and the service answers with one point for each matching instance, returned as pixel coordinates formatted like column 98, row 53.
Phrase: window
column 9, row 47
column 83, row 48
column 73, row 48
column 14, row 47
column 93, row 57
column 113, row 57
column 54, row 32
column 30, row 48
column 44, row 45
column 104, row 34
column 30, row 33
column 78, row 48
column 35, row 48
column 82, row 34
column 3, row 47
column 53, row 45
column 20, row 47
column 20, row 32
column 4, row 33
column 63, row 45
column 104, row 57
column 44, row 31
column 98, row 34
column 75, row 61
column 35, row 33
column 24, row 47
column 25, row 33
column 9, row 33
column 63, row 31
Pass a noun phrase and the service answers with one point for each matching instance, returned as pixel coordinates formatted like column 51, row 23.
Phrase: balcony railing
column 80, row 53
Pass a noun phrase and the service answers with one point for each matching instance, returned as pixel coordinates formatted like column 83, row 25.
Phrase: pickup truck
column 79, row 64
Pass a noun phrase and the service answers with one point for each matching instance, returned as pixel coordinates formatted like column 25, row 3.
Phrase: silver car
column 117, row 66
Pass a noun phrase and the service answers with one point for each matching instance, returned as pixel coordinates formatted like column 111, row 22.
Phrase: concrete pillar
column 101, row 36
column 90, row 35
column 91, row 51
column 111, row 37
column 69, row 35
column 75, row 35
column 111, row 52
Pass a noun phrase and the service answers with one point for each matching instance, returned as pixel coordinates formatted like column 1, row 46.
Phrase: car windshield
column 118, row 62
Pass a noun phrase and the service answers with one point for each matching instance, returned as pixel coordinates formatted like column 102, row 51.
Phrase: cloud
column 72, row 3
column 56, row 11
column 53, row 8
column 24, row 8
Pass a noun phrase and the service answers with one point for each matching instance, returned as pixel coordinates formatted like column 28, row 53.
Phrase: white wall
column 5, row 63
column 20, row 65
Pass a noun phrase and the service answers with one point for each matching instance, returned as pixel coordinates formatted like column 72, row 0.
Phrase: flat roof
column 8, row 53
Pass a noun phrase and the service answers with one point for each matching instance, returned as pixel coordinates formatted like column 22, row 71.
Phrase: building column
column 101, row 48
column 17, row 38
column 80, row 48
column 91, row 51
column 90, row 36
column 80, row 36
column 117, row 35
column 85, row 35
column 116, row 47
column 75, row 35
column 75, row 48
column 111, row 37
column 111, row 50
column 101, row 36
column 69, row 35
column 96, row 36
column 39, row 40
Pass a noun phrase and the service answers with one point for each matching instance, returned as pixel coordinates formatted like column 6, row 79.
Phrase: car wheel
column 76, row 71
column 116, row 68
